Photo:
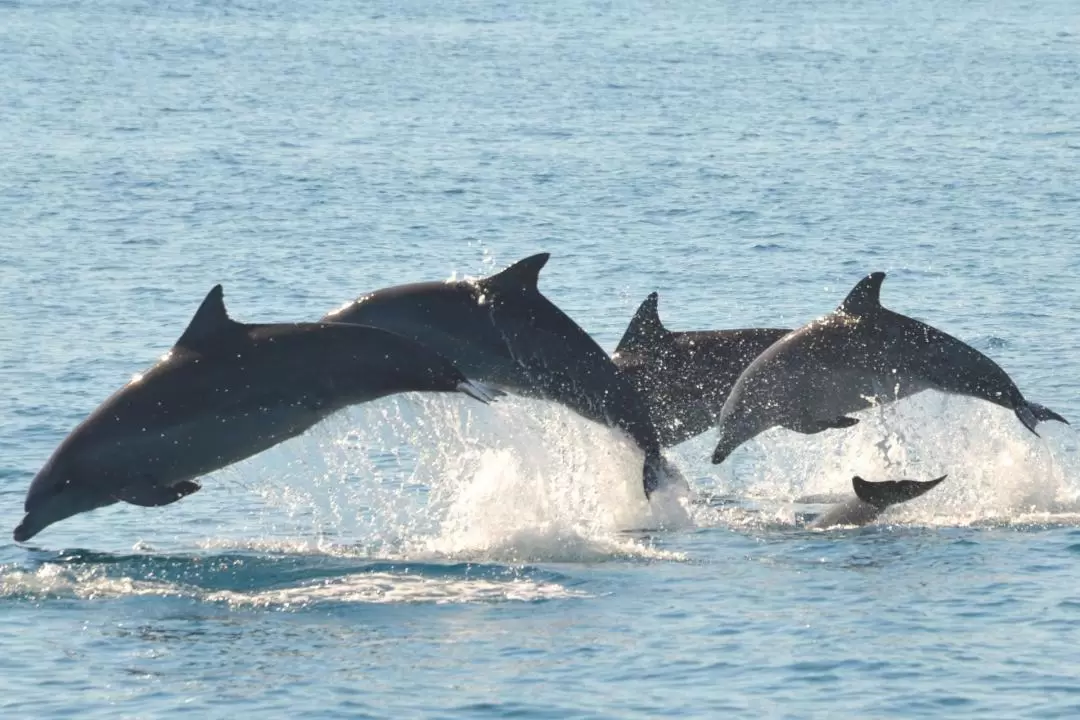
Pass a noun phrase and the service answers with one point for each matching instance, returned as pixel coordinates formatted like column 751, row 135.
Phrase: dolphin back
column 883, row 494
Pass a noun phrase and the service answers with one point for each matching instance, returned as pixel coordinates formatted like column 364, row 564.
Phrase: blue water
column 430, row 557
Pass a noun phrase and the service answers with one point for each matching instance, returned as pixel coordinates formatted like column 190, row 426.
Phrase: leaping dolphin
column 224, row 392
column 685, row 377
column 856, row 356
column 871, row 499
column 502, row 330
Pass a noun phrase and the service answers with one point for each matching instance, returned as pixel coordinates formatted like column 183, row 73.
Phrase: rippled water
column 427, row 556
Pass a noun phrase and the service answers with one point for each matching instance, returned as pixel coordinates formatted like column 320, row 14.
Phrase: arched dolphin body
column 871, row 499
column 224, row 392
column 858, row 355
column 502, row 330
column 685, row 377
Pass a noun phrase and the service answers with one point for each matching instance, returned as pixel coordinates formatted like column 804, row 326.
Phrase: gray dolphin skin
column 224, row 392
column 871, row 499
column 685, row 377
column 859, row 355
column 502, row 331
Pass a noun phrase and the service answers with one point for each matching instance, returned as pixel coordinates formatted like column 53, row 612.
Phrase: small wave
column 383, row 588
column 57, row 582
column 991, row 342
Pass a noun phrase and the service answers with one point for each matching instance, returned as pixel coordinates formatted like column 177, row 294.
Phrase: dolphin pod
column 224, row 392
column 229, row 390
column 811, row 379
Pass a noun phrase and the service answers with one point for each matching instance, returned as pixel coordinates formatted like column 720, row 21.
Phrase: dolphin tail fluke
column 651, row 474
column 479, row 391
column 883, row 494
column 1026, row 413
column 658, row 472
column 1043, row 413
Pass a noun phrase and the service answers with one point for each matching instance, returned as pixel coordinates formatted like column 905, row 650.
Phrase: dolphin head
column 59, row 490
column 744, row 423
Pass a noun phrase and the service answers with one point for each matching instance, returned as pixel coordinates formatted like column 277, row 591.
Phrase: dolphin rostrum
column 871, row 499
column 859, row 355
column 685, row 377
column 224, row 392
column 501, row 330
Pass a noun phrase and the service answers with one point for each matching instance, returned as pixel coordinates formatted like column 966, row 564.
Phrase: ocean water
column 432, row 557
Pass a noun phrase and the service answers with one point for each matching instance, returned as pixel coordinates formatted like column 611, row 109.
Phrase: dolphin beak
column 23, row 532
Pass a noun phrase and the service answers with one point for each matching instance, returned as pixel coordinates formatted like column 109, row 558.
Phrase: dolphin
column 224, row 392
column 871, row 499
column 859, row 355
column 502, row 331
column 685, row 377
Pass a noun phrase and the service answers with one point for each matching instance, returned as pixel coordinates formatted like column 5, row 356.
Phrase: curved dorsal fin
column 645, row 329
column 883, row 494
column 865, row 297
column 522, row 276
column 209, row 323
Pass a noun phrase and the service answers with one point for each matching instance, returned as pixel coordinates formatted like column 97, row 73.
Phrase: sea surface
column 427, row 556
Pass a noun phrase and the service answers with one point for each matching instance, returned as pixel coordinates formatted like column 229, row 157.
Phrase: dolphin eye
column 59, row 487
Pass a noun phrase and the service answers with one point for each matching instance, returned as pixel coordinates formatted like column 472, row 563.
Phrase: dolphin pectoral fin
column 1043, row 413
column 146, row 495
column 479, row 391
column 813, row 427
column 837, row 423
column 883, row 494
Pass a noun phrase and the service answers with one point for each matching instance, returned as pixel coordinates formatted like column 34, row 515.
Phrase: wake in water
column 284, row 581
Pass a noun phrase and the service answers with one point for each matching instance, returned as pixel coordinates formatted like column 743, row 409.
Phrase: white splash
column 998, row 471
column 521, row 480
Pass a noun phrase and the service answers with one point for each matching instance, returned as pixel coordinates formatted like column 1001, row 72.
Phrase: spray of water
column 998, row 472
column 427, row 477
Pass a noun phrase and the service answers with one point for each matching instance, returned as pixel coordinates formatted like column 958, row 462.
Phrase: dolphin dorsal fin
column 883, row 494
column 210, row 322
column 645, row 329
column 865, row 297
column 522, row 276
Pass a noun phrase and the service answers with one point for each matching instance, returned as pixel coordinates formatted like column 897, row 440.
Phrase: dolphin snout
column 24, row 531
